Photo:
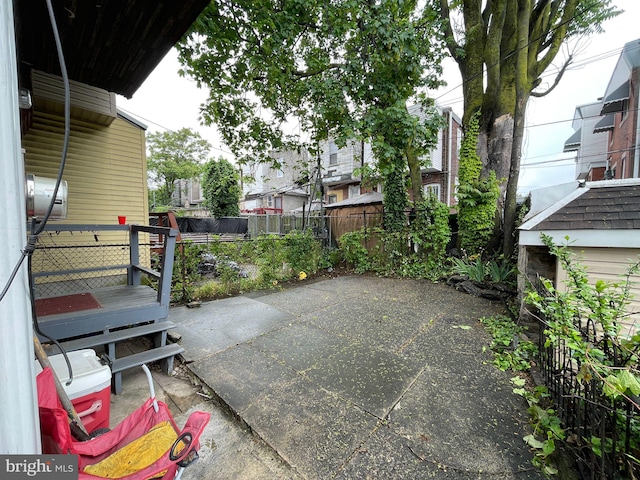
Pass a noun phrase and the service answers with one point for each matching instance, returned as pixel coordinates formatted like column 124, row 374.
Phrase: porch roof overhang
column 606, row 123
column 364, row 199
column 110, row 44
column 289, row 191
column 573, row 142
column 614, row 102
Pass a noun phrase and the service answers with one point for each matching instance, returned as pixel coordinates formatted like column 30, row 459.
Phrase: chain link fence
column 74, row 262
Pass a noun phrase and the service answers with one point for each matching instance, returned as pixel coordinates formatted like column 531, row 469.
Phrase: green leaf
column 628, row 381
column 611, row 386
column 518, row 381
column 549, row 447
column 533, row 442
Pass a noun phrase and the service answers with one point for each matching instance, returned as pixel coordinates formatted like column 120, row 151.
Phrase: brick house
column 606, row 132
column 440, row 178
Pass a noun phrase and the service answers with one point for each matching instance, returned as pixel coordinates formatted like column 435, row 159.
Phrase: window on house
column 333, row 199
column 354, row 191
column 277, row 202
column 279, row 170
column 433, row 189
column 333, row 153
column 270, row 201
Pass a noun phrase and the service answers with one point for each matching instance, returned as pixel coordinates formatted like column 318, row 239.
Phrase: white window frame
column 436, row 188
column 333, row 153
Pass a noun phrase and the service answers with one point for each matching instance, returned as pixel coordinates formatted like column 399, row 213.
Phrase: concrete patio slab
column 363, row 377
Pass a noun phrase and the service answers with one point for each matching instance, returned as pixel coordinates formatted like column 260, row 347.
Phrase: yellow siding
column 105, row 168
column 338, row 193
column 106, row 173
column 610, row 264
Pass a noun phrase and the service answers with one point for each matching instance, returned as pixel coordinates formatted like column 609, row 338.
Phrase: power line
column 501, row 60
column 165, row 128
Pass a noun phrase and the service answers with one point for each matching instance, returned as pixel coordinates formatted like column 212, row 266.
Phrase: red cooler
column 90, row 391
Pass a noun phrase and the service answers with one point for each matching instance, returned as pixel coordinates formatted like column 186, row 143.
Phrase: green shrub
column 354, row 252
column 510, row 351
column 302, row 252
column 606, row 354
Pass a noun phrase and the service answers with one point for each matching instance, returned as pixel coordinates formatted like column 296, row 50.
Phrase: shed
column 601, row 221
column 363, row 211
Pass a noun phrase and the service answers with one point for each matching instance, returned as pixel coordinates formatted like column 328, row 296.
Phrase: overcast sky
column 168, row 101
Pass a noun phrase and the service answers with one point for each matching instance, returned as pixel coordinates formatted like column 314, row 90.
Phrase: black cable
column 67, row 117
column 35, row 232
column 36, row 326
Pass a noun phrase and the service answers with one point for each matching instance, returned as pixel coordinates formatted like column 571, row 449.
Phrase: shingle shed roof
column 607, row 208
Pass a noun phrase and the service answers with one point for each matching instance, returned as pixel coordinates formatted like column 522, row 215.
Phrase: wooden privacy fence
column 351, row 219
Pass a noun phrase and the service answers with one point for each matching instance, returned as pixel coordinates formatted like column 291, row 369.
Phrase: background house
column 296, row 184
column 589, row 143
column 268, row 189
column 440, row 178
column 187, row 193
column 338, row 165
column 606, row 132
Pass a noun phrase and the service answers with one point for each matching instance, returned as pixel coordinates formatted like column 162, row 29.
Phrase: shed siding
column 610, row 264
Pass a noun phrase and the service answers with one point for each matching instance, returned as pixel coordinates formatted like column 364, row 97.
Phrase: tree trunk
column 415, row 176
column 523, row 88
column 507, row 46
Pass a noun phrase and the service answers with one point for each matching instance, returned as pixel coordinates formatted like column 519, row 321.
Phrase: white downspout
column 19, row 423
column 636, row 153
column 449, row 156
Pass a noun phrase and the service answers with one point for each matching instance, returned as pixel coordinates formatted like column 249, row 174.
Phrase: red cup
column 122, row 219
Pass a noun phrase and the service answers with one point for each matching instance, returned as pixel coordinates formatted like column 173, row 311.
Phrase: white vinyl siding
column 610, row 264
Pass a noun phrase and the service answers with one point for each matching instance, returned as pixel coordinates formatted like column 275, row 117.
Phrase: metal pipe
column 19, row 422
column 449, row 156
column 636, row 153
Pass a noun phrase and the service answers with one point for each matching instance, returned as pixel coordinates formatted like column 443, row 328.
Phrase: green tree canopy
column 503, row 48
column 340, row 69
column 221, row 188
column 174, row 156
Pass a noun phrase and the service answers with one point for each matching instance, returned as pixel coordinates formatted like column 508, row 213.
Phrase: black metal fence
column 603, row 434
